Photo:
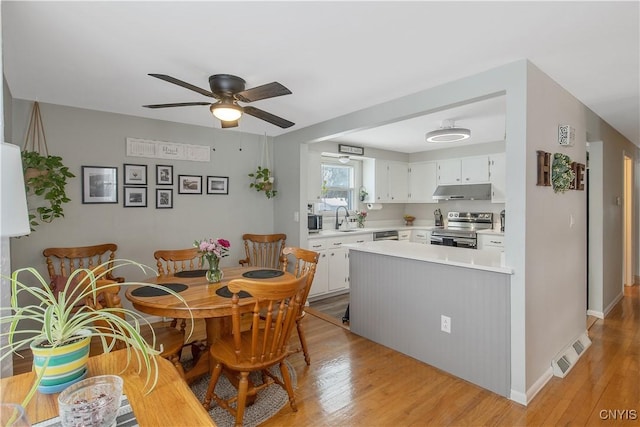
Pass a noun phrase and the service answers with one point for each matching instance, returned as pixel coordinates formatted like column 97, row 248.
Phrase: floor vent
column 567, row 358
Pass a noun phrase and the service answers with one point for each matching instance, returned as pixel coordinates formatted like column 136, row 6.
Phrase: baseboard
column 613, row 304
column 526, row 398
column 594, row 313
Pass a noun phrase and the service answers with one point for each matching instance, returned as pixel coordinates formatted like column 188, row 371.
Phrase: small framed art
column 164, row 175
column 135, row 174
column 164, row 198
column 99, row 184
column 217, row 185
column 135, row 197
column 189, row 184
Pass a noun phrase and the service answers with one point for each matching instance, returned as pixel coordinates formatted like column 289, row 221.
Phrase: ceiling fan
column 228, row 90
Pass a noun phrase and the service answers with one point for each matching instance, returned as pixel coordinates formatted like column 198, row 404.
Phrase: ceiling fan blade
column 268, row 117
column 229, row 124
column 270, row 90
column 179, row 104
column 184, row 84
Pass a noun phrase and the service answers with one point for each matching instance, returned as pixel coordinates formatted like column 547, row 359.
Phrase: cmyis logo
column 619, row 414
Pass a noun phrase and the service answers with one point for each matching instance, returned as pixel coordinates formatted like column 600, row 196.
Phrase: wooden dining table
column 170, row 403
column 202, row 302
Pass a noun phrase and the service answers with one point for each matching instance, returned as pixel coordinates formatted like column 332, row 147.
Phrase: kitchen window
column 338, row 185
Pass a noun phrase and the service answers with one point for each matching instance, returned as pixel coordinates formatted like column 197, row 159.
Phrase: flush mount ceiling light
column 227, row 111
column 448, row 133
column 343, row 159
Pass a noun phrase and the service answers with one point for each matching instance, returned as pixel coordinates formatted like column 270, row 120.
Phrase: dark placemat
column 191, row 273
column 149, row 291
column 262, row 274
column 226, row 293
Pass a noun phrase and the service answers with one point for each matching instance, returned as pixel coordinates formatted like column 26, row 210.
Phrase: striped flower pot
column 66, row 364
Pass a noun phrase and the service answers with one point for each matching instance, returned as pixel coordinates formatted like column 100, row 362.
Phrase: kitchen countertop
column 460, row 257
column 368, row 230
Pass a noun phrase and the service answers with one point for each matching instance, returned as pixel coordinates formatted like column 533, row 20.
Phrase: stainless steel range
column 461, row 229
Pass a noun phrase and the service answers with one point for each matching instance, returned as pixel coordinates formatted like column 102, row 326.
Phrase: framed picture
column 164, row 198
column 99, row 184
column 351, row 149
column 164, row 175
column 217, row 185
column 189, row 184
column 135, row 174
column 135, row 197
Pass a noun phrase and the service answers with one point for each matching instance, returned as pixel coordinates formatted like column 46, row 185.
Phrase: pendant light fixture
column 448, row 132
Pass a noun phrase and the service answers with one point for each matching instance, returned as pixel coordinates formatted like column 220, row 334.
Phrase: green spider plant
column 61, row 323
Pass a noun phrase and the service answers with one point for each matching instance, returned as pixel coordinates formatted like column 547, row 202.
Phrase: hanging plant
column 561, row 173
column 45, row 176
column 263, row 181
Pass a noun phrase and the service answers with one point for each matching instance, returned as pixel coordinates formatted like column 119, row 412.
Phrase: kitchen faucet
column 345, row 217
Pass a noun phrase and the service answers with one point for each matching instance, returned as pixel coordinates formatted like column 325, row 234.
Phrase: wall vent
column 566, row 359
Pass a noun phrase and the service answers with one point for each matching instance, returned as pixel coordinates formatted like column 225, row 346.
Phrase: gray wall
column 91, row 138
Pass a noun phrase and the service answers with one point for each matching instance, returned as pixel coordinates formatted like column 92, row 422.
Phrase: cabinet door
column 338, row 269
column 320, row 283
column 449, row 171
column 498, row 177
column 475, row 170
column 314, row 177
column 423, row 180
column 381, row 180
column 398, row 182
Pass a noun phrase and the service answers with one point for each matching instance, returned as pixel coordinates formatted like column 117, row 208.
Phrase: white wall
column 596, row 277
column 556, row 229
column 92, row 138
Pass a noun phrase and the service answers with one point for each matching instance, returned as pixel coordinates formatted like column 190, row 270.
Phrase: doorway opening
column 627, row 250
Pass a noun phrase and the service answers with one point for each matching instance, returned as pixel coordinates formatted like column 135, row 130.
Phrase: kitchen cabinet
column 386, row 181
column 314, row 176
column 423, row 180
column 490, row 242
column 332, row 271
column 498, row 177
column 421, row 236
column 465, row 170
column 404, row 235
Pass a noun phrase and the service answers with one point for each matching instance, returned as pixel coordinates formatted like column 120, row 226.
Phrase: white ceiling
column 336, row 57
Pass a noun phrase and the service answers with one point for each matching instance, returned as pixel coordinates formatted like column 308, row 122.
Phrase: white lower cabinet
column 332, row 271
column 490, row 242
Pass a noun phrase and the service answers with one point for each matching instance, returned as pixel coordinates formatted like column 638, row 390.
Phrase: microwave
column 314, row 223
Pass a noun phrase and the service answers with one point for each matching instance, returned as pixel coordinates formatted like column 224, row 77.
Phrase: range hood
column 463, row 192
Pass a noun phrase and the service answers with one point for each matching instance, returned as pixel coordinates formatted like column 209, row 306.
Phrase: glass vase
column 214, row 274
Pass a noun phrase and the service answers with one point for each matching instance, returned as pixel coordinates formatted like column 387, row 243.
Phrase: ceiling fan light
column 448, row 135
column 344, row 159
column 227, row 112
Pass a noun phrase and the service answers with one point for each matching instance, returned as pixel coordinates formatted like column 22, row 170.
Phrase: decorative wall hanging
column 217, row 185
column 189, row 184
column 135, row 197
column 559, row 171
column 544, row 168
column 99, row 184
column 164, row 198
column 135, row 174
column 263, row 179
column 164, row 175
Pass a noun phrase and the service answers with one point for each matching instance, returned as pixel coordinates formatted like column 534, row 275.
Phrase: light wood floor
column 355, row 382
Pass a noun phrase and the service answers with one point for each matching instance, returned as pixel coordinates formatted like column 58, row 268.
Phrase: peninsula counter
column 400, row 291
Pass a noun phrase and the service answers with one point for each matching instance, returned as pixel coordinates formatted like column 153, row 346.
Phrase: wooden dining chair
column 171, row 261
column 170, row 339
column 303, row 261
column 265, row 344
column 62, row 262
column 263, row 250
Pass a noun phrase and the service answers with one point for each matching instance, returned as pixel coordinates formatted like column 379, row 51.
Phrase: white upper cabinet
column 314, row 177
column 498, row 177
column 386, row 181
column 423, row 180
column 466, row 170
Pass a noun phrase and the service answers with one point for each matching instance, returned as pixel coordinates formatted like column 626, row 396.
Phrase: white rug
column 268, row 402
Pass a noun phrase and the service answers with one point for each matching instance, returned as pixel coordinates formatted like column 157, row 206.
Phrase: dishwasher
column 377, row 235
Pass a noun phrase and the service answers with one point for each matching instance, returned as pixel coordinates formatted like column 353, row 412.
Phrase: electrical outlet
column 445, row 324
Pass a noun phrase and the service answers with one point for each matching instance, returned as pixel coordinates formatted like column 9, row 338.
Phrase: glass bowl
column 93, row 402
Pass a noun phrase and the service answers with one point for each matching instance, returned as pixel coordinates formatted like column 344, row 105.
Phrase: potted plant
column 64, row 325
column 45, row 176
column 263, row 181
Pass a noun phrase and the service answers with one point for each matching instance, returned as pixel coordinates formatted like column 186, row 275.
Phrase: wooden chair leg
column 303, row 342
column 215, row 375
column 175, row 359
column 288, row 386
column 243, row 389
